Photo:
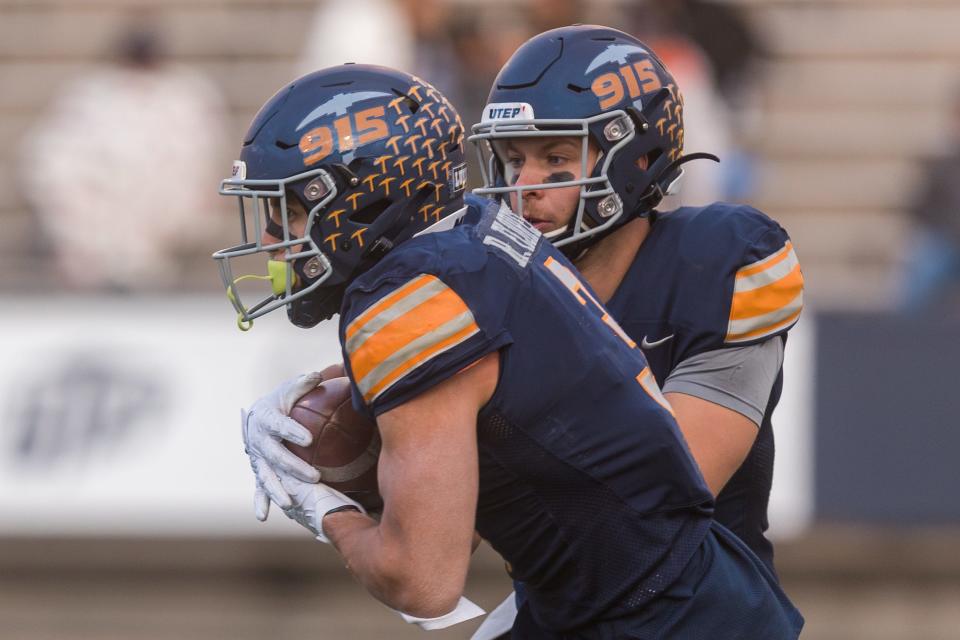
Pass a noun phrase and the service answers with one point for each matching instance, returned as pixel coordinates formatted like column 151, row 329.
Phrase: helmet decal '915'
column 336, row 169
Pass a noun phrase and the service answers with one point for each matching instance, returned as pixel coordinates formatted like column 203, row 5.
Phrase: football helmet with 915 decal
column 336, row 169
column 610, row 92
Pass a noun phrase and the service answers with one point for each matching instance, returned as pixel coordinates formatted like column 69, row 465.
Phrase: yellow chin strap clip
column 277, row 271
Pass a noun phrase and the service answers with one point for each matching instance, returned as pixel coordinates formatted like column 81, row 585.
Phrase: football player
column 583, row 136
column 508, row 399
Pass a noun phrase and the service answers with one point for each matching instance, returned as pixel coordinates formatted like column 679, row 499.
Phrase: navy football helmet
column 371, row 155
column 606, row 88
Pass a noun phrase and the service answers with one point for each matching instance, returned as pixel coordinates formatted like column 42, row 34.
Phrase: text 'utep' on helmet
column 610, row 91
column 336, row 169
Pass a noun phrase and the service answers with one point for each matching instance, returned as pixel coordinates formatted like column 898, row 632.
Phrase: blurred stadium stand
column 851, row 584
column 852, row 94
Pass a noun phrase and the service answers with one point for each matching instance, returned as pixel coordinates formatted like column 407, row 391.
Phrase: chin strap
column 645, row 204
column 317, row 307
column 656, row 193
column 277, row 273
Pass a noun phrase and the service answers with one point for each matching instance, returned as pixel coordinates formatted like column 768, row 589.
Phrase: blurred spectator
column 120, row 165
column 724, row 34
column 434, row 54
column 716, row 73
column 543, row 15
column 413, row 35
column 483, row 43
column 932, row 271
column 361, row 31
column 456, row 47
column 477, row 66
column 705, row 123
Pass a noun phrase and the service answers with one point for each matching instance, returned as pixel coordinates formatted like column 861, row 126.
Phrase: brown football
column 346, row 445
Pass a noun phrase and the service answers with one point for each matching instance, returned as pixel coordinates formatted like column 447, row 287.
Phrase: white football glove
column 311, row 501
column 264, row 426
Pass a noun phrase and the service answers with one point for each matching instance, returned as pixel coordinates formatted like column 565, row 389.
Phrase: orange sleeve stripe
column 419, row 359
column 767, row 262
column 762, row 331
column 360, row 321
column 398, row 333
column 767, row 299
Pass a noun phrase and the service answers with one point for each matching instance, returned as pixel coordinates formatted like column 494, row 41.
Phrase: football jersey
column 707, row 278
column 587, row 488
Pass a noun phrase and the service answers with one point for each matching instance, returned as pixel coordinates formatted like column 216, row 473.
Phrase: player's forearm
column 384, row 568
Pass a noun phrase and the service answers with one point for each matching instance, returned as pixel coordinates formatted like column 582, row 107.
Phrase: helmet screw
column 609, row 206
column 315, row 189
column 617, row 129
column 354, row 181
column 645, row 126
column 312, row 268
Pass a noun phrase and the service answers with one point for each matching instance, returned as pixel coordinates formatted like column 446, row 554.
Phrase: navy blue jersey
column 713, row 277
column 587, row 488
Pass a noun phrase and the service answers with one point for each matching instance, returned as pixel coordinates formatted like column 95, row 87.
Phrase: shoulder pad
column 754, row 257
column 733, row 274
column 478, row 205
column 401, row 329
column 768, row 290
column 416, row 319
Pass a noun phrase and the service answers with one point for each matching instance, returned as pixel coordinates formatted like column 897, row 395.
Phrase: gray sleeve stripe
column 738, row 378
column 716, row 396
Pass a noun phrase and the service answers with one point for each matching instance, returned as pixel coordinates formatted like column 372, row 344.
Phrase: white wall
column 120, row 416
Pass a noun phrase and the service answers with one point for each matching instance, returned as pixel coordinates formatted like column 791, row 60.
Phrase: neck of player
column 606, row 263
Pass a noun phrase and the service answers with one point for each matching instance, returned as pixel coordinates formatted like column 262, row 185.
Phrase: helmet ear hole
column 453, row 139
column 408, row 101
column 369, row 213
column 356, row 165
column 657, row 98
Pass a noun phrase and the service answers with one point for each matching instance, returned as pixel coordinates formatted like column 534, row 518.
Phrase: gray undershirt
column 738, row 378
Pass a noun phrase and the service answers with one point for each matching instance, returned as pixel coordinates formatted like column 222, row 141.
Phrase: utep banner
column 121, row 416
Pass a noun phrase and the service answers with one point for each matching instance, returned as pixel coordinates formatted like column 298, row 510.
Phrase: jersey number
column 584, row 297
